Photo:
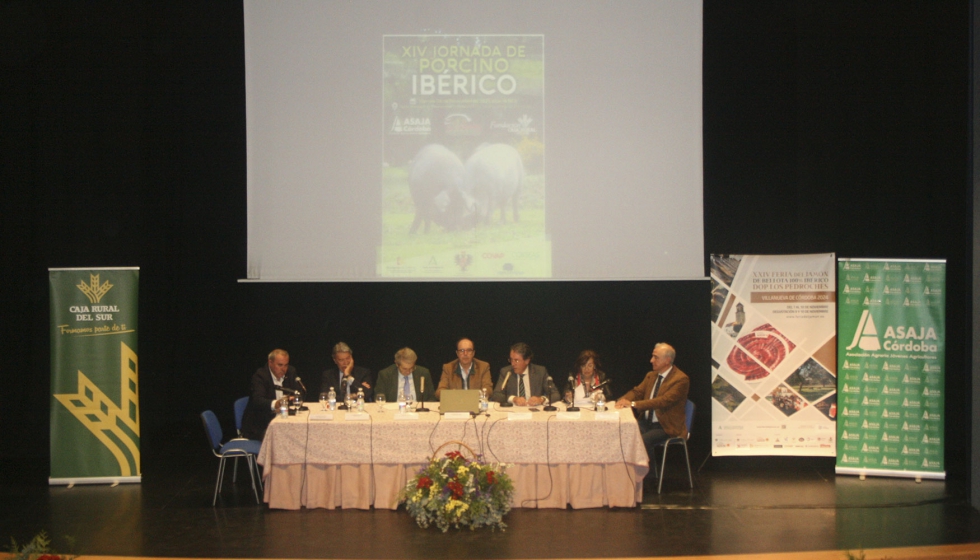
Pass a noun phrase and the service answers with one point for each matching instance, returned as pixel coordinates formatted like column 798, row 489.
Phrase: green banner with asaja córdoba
column 891, row 366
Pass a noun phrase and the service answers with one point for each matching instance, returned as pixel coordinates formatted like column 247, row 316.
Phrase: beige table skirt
column 553, row 461
column 364, row 486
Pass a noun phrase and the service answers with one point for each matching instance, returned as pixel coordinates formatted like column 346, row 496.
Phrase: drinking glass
column 380, row 399
column 323, row 401
column 349, row 400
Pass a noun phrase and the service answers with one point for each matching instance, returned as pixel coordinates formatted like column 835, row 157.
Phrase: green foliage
column 39, row 548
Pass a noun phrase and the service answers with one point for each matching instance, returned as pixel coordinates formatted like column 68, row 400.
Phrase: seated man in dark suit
column 524, row 383
column 346, row 376
column 266, row 389
column 660, row 399
column 404, row 375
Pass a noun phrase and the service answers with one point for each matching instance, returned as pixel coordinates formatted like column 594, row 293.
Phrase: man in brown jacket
column 660, row 399
column 465, row 372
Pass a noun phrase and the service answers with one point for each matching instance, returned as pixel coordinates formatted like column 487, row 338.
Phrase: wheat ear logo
column 93, row 290
column 116, row 426
column 866, row 335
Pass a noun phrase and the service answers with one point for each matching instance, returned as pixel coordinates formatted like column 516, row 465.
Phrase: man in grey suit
column 523, row 383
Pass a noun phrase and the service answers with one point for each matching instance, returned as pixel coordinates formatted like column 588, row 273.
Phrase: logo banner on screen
column 774, row 375
column 463, row 184
column 891, row 357
column 95, row 420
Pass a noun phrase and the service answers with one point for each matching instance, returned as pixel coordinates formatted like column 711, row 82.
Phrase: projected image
column 463, row 189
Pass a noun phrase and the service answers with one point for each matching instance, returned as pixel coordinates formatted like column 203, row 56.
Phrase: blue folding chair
column 689, row 420
column 240, row 406
column 237, row 447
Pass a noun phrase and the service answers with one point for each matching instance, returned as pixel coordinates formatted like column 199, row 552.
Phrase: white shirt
column 465, row 374
column 526, row 376
column 278, row 383
column 411, row 383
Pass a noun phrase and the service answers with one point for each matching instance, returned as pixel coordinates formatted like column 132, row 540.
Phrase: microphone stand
column 303, row 394
column 343, row 405
column 422, row 397
column 571, row 406
column 551, row 385
column 503, row 389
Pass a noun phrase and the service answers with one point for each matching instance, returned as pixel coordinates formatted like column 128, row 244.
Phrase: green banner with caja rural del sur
column 95, row 421
column 891, row 367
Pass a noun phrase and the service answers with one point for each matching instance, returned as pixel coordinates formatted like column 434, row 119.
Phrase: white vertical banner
column 773, row 355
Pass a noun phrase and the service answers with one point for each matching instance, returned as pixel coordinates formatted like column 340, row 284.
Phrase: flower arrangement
column 456, row 492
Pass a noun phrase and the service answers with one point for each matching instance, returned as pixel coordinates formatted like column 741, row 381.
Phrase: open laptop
column 460, row 400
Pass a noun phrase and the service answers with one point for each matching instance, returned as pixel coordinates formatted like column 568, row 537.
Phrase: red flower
column 490, row 477
column 454, row 455
column 456, row 488
column 424, row 482
column 49, row 557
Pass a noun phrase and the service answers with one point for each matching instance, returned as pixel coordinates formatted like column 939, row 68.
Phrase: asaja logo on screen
column 411, row 125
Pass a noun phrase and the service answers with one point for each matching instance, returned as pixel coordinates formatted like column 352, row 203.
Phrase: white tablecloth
column 553, row 462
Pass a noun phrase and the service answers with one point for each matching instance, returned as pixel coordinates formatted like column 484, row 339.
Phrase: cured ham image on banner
column 773, row 337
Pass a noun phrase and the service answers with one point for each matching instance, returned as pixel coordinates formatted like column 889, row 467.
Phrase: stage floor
column 739, row 505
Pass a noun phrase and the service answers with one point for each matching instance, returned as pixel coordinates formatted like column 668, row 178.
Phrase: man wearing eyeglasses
column 465, row 372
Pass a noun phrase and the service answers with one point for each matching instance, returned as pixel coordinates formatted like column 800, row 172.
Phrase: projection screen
column 395, row 140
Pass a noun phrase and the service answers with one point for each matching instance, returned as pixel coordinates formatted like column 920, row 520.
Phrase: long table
column 553, row 460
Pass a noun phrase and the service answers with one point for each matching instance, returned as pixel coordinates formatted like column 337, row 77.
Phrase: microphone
column 571, row 406
column 348, row 381
column 503, row 389
column 550, row 386
column 300, row 381
column 287, row 390
column 421, row 396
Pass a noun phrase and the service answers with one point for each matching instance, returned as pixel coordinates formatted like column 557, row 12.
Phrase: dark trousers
column 652, row 434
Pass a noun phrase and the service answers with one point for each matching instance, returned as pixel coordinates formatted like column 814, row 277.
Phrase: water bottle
column 360, row 400
column 600, row 403
column 401, row 402
column 484, row 402
column 332, row 399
